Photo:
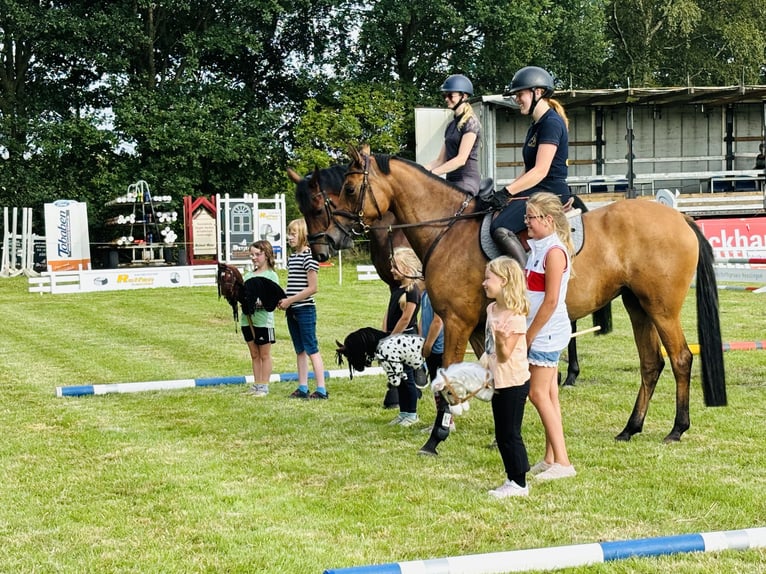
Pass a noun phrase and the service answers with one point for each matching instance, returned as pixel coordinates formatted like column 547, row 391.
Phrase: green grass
column 211, row 480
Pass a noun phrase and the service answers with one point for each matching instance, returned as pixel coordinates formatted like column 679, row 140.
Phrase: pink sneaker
column 539, row 466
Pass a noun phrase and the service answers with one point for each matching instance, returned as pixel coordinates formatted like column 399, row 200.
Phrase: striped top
column 298, row 267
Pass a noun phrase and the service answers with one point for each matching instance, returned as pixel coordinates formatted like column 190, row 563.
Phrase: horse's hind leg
column 651, row 362
column 680, row 358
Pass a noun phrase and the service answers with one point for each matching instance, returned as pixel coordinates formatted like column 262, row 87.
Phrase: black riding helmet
column 457, row 83
column 529, row 78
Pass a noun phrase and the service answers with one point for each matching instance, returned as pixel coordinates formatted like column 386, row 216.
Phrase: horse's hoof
column 568, row 382
column 623, row 436
column 672, row 438
column 428, row 452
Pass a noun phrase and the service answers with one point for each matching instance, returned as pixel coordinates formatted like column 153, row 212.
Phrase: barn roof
column 695, row 95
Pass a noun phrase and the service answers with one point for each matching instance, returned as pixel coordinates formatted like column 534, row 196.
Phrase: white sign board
column 66, row 232
column 430, row 124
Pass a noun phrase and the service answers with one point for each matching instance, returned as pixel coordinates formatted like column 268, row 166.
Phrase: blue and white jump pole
column 105, row 389
column 571, row 556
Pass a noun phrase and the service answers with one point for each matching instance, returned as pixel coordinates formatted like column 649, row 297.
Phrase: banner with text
column 66, row 235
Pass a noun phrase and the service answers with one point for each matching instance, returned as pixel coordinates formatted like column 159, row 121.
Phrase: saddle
column 574, row 215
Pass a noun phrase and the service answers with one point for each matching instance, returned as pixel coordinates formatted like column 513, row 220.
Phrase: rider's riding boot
column 510, row 244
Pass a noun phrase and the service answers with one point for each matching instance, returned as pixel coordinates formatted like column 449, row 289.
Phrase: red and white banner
column 742, row 237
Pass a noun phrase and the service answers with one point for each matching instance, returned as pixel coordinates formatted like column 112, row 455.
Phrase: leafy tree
column 681, row 42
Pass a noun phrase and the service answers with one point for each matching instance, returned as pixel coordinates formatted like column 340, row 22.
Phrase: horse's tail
column 709, row 324
column 603, row 318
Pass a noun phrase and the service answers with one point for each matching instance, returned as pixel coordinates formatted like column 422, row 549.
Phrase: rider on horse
column 545, row 152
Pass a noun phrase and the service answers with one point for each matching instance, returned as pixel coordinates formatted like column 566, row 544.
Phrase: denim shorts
column 544, row 358
column 302, row 325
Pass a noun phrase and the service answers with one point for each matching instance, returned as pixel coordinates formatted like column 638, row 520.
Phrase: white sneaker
column 557, row 471
column 539, row 466
column 399, row 418
column 409, row 419
column 509, row 488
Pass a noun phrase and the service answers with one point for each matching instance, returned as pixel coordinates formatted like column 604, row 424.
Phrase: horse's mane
column 330, row 179
column 383, row 162
column 359, row 348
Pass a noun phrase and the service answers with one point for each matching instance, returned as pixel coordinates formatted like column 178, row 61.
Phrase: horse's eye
column 350, row 189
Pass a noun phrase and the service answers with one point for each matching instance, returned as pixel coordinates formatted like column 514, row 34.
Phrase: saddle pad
column 488, row 246
column 578, row 231
column 485, row 238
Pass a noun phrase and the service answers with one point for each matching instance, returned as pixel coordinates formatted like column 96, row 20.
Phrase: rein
column 468, row 396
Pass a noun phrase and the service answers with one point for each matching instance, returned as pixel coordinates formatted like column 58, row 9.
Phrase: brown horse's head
column 357, row 206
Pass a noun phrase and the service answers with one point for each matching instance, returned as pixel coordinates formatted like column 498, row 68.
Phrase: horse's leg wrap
column 440, row 430
column 510, row 245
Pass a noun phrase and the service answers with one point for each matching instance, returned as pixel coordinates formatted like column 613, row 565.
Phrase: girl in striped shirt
column 299, row 307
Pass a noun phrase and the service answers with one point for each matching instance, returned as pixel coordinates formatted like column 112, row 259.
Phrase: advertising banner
column 271, row 228
column 135, row 278
column 66, row 233
column 736, row 237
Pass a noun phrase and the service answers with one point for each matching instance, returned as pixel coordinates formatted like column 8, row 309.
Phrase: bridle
column 328, row 207
column 358, row 227
column 458, row 401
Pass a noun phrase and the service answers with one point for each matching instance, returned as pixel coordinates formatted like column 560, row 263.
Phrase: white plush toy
column 461, row 382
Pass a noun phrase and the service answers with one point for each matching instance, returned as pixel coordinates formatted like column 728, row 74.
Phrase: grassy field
column 212, row 480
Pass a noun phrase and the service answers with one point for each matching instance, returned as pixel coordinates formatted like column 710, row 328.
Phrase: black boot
column 510, row 245
column 391, row 400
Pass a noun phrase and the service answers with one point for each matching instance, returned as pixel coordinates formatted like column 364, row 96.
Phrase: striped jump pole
column 733, row 346
column 83, row 390
column 742, row 260
column 571, row 556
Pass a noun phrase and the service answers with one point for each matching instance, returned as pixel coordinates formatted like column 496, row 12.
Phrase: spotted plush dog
column 397, row 351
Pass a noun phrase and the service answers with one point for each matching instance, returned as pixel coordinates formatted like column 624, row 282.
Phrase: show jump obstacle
column 105, row 389
column 571, row 556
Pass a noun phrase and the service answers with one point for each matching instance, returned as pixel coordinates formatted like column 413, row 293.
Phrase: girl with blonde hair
column 548, row 270
column 459, row 155
column 506, row 358
column 402, row 317
column 300, row 310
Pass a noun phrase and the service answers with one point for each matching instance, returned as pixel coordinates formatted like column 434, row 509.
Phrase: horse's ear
column 364, row 149
column 353, row 153
column 293, row 175
column 341, row 347
column 314, row 179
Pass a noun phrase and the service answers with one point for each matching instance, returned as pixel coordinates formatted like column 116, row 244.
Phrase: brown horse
column 646, row 252
column 316, row 195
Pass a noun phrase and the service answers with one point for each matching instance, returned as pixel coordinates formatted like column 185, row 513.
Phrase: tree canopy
column 220, row 96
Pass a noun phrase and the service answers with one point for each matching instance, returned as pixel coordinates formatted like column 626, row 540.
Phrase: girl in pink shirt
column 506, row 358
